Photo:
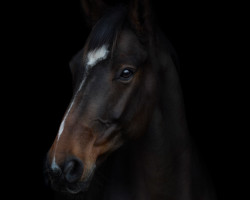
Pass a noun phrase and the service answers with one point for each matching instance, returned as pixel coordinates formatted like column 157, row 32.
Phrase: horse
column 124, row 134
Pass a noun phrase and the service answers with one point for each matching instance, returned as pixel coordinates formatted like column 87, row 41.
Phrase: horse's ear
column 140, row 16
column 93, row 10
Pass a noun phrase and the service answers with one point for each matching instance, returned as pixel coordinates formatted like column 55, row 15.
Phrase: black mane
column 106, row 29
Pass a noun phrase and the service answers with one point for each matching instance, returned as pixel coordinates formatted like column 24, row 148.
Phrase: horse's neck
column 162, row 163
column 163, row 155
column 165, row 163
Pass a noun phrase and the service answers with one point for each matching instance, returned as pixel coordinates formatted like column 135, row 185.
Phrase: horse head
column 113, row 96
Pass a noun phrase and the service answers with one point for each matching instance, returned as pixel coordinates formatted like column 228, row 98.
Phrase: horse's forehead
column 127, row 42
column 129, row 48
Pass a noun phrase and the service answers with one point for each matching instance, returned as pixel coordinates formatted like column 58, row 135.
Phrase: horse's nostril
column 73, row 170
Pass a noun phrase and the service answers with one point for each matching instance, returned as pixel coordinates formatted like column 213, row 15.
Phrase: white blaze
column 93, row 58
column 97, row 55
column 63, row 122
column 54, row 166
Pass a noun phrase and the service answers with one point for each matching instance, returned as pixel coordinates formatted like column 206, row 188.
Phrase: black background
column 40, row 37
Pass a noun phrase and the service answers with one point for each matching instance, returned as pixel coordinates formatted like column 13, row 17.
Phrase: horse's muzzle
column 66, row 178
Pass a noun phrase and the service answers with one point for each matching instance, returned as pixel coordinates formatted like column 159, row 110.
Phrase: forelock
column 105, row 31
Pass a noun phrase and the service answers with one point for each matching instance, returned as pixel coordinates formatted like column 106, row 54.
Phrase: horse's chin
column 78, row 188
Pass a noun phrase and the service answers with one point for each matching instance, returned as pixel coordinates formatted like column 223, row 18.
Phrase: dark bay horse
column 124, row 135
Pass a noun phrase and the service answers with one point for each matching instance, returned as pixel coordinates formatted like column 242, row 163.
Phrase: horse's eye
column 126, row 73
